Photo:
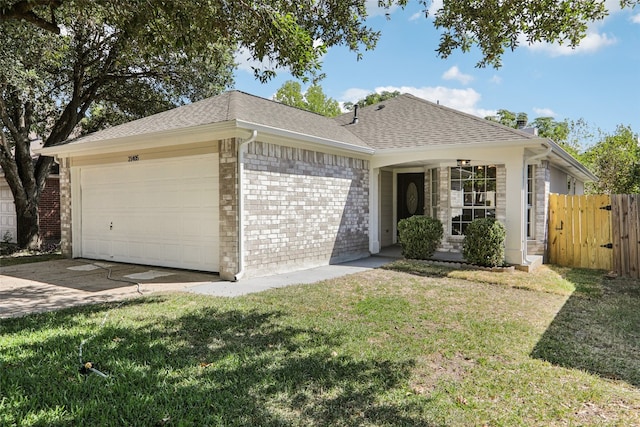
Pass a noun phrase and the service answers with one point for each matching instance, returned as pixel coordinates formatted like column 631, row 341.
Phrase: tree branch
column 4, row 116
column 24, row 10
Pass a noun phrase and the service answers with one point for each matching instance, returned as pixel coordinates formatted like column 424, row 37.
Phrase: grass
column 11, row 255
column 412, row 344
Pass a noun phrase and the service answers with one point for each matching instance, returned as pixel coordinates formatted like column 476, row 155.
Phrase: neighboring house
column 243, row 185
column 48, row 209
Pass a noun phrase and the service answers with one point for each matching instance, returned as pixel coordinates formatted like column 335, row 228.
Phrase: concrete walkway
column 313, row 275
column 53, row 285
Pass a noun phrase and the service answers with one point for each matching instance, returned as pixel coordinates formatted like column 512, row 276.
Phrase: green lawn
column 410, row 344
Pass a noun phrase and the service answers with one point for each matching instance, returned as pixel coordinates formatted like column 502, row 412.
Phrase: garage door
column 7, row 212
column 159, row 212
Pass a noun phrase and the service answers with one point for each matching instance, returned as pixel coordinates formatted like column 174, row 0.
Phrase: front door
column 410, row 200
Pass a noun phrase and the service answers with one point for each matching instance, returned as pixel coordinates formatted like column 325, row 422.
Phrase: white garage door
column 158, row 212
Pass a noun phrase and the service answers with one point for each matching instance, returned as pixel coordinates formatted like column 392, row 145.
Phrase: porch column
column 515, row 210
column 374, row 210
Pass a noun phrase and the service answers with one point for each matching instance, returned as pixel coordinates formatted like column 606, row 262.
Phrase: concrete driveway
column 52, row 285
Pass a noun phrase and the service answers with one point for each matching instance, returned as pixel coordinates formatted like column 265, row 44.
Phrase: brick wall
column 538, row 244
column 49, row 210
column 65, row 209
column 228, row 208
column 303, row 208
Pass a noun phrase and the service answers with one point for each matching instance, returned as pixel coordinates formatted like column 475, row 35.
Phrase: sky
column 598, row 82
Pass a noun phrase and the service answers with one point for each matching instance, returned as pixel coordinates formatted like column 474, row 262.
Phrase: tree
column 314, row 99
column 372, row 98
column 267, row 26
column 548, row 127
column 510, row 119
column 62, row 61
column 73, row 66
column 615, row 160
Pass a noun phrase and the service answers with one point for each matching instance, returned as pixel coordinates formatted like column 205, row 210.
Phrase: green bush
column 484, row 242
column 420, row 236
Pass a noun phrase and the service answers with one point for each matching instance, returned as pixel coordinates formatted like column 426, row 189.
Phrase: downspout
column 240, row 157
column 526, row 161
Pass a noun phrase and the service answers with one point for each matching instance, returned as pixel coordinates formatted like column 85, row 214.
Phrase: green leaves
column 497, row 25
column 484, row 242
column 420, row 236
column 615, row 160
column 313, row 99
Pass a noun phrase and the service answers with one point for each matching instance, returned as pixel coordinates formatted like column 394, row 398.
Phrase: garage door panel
column 157, row 212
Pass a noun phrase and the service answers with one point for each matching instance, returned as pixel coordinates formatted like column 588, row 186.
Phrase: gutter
column 240, row 158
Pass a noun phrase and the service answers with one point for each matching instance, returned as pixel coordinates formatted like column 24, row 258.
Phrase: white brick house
column 242, row 185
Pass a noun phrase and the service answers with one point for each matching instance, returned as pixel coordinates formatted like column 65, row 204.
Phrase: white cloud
column 636, row 19
column 354, row 95
column 496, row 79
column 454, row 73
column 593, row 42
column 245, row 62
column 374, row 10
column 544, row 112
column 460, row 99
column 435, row 6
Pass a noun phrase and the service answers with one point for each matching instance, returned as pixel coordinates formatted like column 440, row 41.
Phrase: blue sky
column 599, row 81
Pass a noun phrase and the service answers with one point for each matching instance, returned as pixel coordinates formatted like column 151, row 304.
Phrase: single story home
column 246, row 186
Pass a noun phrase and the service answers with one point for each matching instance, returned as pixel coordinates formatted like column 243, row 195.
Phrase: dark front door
column 410, row 195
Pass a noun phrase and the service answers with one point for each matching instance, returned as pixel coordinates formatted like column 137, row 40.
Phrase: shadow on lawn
column 597, row 329
column 208, row 367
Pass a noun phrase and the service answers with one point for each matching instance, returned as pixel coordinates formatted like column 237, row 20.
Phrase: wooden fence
column 625, row 217
column 595, row 231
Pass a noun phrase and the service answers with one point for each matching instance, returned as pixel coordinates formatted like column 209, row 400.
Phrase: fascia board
column 190, row 135
column 174, row 137
column 465, row 146
column 304, row 138
column 570, row 164
column 566, row 160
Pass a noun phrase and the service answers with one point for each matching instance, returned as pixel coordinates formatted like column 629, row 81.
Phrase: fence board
column 577, row 229
column 626, row 236
column 603, row 227
column 581, row 228
column 634, row 236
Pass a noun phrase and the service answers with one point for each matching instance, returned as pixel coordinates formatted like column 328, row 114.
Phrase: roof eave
column 529, row 143
column 189, row 135
column 572, row 164
column 298, row 136
column 172, row 137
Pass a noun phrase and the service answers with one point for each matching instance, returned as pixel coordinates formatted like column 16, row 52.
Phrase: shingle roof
column 407, row 121
column 229, row 106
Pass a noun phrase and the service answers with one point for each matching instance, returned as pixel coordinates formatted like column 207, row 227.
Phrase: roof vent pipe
column 355, row 115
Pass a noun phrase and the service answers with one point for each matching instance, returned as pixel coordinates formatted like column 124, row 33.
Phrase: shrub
column 484, row 242
column 420, row 236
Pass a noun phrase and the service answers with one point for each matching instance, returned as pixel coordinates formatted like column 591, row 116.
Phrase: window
column 434, row 187
column 473, row 195
column 531, row 201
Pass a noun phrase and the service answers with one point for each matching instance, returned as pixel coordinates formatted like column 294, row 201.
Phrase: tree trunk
column 28, row 223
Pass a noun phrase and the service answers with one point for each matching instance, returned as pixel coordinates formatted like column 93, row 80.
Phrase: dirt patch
column 437, row 369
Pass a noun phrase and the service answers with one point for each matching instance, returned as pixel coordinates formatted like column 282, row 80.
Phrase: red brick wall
column 49, row 210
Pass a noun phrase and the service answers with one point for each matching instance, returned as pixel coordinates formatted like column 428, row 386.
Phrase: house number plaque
column 134, row 158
